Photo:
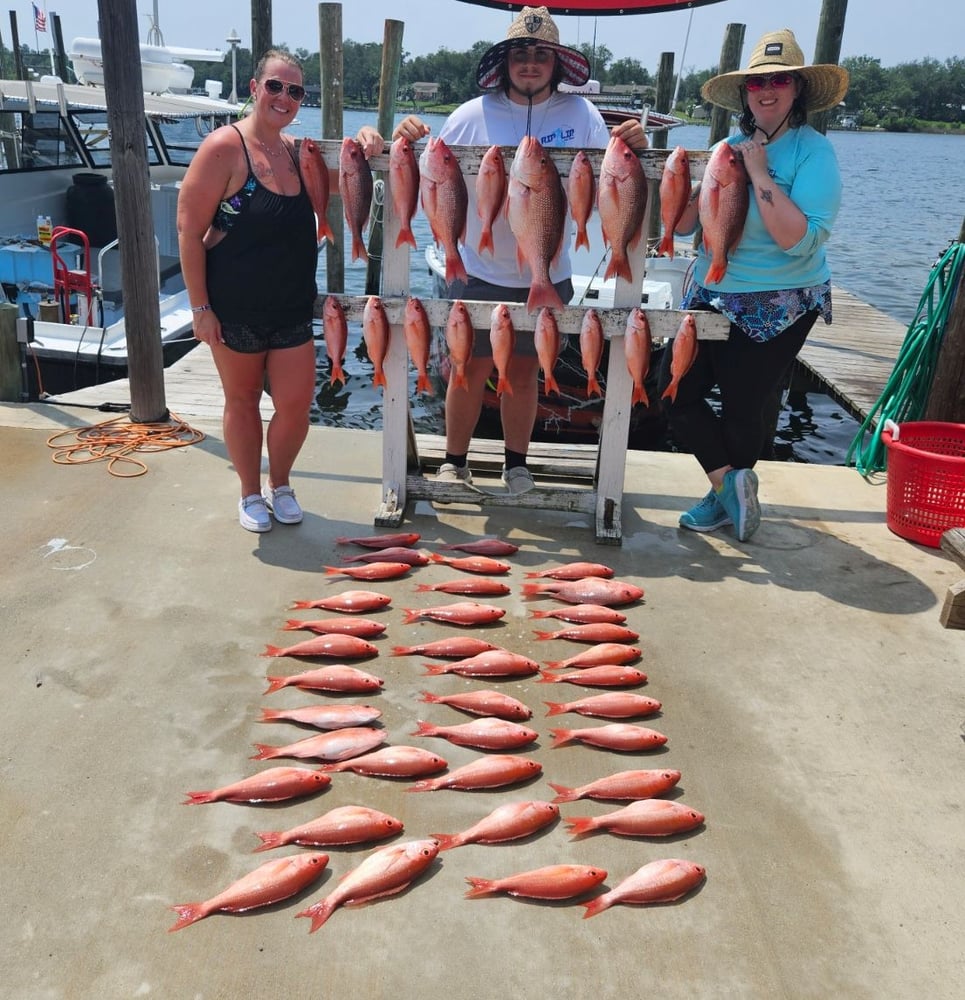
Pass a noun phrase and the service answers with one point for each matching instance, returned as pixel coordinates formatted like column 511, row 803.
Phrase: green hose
column 906, row 393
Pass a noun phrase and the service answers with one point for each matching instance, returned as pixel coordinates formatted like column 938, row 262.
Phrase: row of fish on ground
column 535, row 201
column 349, row 741
column 460, row 337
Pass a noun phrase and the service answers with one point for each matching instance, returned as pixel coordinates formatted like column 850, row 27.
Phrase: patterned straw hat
column 533, row 26
column 776, row 52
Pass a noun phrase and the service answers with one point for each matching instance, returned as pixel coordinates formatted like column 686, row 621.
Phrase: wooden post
column 10, row 387
column 827, row 49
column 953, row 611
column 261, row 40
column 20, row 71
column 388, row 85
column 132, row 193
column 665, row 85
column 946, row 400
column 60, row 53
column 331, row 67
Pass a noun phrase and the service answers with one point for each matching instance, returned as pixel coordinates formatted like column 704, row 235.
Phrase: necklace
column 271, row 152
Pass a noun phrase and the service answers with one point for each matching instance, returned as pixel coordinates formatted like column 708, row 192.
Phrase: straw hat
column 533, row 26
column 826, row 83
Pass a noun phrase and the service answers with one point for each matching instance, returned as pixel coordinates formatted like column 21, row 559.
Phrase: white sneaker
column 449, row 473
column 282, row 504
column 253, row 513
column 518, row 480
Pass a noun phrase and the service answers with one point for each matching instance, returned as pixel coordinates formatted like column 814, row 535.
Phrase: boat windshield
column 31, row 141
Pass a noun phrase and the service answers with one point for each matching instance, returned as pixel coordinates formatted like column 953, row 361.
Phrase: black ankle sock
column 514, row 459
column 459, row 461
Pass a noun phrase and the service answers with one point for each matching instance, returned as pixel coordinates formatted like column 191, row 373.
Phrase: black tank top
column 262, row 271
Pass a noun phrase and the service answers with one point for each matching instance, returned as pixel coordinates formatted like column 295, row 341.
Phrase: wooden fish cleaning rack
column 402, row 479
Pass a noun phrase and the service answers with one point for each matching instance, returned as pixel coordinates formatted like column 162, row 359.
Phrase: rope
column 116, row 442
column 905, row 395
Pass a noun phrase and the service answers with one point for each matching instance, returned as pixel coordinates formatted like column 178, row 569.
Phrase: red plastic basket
column 926, row 479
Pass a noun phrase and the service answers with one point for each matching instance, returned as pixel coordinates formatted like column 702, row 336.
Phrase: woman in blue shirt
column 776, row 281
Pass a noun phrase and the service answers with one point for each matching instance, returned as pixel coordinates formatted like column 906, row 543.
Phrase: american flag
column 40, row 19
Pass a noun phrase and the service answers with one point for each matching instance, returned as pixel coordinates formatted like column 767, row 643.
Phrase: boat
column 59, row 253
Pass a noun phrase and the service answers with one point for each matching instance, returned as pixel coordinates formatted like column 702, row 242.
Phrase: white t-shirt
column 566, row 120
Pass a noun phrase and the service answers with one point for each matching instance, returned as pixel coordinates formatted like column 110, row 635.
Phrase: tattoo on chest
column 766, row 195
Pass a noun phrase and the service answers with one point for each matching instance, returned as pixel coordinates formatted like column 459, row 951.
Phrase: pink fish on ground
column 491, row 186
column 674, row 196
column 598, row 654
column 376, row 332
column 392, row 762
column 458, row 646
column 481, row 734
column 335, row 645
column 335, row 327
column 276, row 784
column 637, row 348
column 581, row 194
column 378, row 570
column 581, row 614
column 644, row 784
column 481, row 587
column 684, row 353
column 338, row 827
column 314, row 171
column 349, row 601
column 486, row 565
column 324, row 716
column 355, row 186
column 614, row 705
column 364, row 628
column 337, row 677
column 591, row 350
column 485, row 703
column 589, row 591
column 404, row 188
column 551, row 882
column 507, row 822
column 445, row 202
column 335, row 746
column 572, row 571
column 623, row 736
column 485, row 547
column 385, row 872
column 459, row 340
column 502, row 338
column 622, row 203
column 496, row 771
column 418, row 340
column 269, row 883
column 547, row 340
column 595, row 632
column 406, row 538
column 537, row 215
column 460, row 613
column 492, row 663
column 397, row 553
column 656, row 882
column 722, row 206
column 643, row 818
column 607, row 675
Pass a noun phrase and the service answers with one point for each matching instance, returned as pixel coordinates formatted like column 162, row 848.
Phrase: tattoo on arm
column 766, row 194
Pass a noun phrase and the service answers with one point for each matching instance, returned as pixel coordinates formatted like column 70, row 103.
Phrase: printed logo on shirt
column 559, row 137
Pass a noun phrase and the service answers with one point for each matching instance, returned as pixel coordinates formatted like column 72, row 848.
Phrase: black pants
column 746, row 373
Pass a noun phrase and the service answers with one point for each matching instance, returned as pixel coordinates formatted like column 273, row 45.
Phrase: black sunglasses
column 295, row 90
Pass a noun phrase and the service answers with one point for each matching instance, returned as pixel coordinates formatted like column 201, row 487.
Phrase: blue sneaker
column 738, row 496
column 705, row 515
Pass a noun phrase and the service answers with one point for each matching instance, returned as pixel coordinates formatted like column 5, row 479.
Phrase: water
column 902, row 207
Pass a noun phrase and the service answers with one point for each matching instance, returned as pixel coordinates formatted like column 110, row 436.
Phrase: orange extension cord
column 116, row 442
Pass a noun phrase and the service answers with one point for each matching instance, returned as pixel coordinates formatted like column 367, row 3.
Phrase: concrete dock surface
column 811, row 700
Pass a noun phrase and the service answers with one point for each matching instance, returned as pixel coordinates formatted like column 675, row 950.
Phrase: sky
column 877, row 28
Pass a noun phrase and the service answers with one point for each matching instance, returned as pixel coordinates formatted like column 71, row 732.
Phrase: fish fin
column 533, row 589
column 292, row 625
column 639, row 396
column 564, row 792
column 405, row 236
column 715, row 272
column 424, row 729
column 379, row 379
column 666, row 245
column 330, row 571
column 431, row 698
column 480, row 887
column 670, row 392
column 411, row 615
column 358, row 249
column 199, row 798
column 555, row 708
column 265, row 752
column 619, row 266
column 447, row 841
column 595, row 906
column 325, row 231
column 541, row 614
column 593, row 386
column 275, row 683
column 270, row 840
column 424, row 384
column 434, row 669
column 582, row 240
column 273, row 651
column 269, row 715
column 455, row 268
column 362, row 900
column 338, row 374
column 550, row 384
column 546, row 677
column 319, row 913
column 486, row 242
column 579, row 824
column 187, row 913
column 422, row 786
column 543, row 294
column 561, row 737
column 503, row 386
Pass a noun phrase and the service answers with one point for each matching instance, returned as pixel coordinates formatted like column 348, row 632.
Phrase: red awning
column 599, row 7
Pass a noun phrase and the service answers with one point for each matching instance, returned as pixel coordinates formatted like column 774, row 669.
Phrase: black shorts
column 475, row 289
column 256, row 338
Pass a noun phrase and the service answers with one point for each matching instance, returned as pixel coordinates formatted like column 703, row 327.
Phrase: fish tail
column 269, row 715
column 460, row 381
column 432, row 699
column 331, row 570
column 555, row 708
column 292, row 625
column 447, row 841
column 564, row 792
column 199, row 798
column 338, row 374
column 301, row 604
column 579, row 824
column 480, row 887
column 265, row 752
column 379, row 378
column 187, row 913
column 436, row 557
column 582, row 240
column 342, row 540
column 542, row 293
column 670, row 392
column 424, row 384
column 532, row 589
column 541, row 614
column 411, row 615
column 405, row 236
column 561, row 737
column 593, row 386
column 595, row 906
column 273, row 651
column 270, row 839
column 619, row 266
column 666, row 245
column 554, row 664
column 422, row 786
column 486, row 242
column 424, row 729
column 455, row 268
column 639, row 396
column 543, row 635
column 358, row 253
column 276, row 683
column 434, row 669
column 550, row 384
column 503, row 386
column 545, row 677
column 401, row 650
column 325, row 230
column 318, row 912
column 715, row 272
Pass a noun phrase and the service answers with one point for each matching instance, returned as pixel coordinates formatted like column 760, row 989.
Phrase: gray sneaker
column 282, row 504
column 253, row 513
column 518, row 480
column 449, row 473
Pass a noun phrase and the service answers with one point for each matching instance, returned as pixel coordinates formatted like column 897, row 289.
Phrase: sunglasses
column 295, row 90
column 776, row 80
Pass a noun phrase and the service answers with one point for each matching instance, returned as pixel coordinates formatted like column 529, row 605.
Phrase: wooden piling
column 946, row 400
column 665, row 85
column 827, row 49
column 261, row 40
column 331, row 68
column 10, row 387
